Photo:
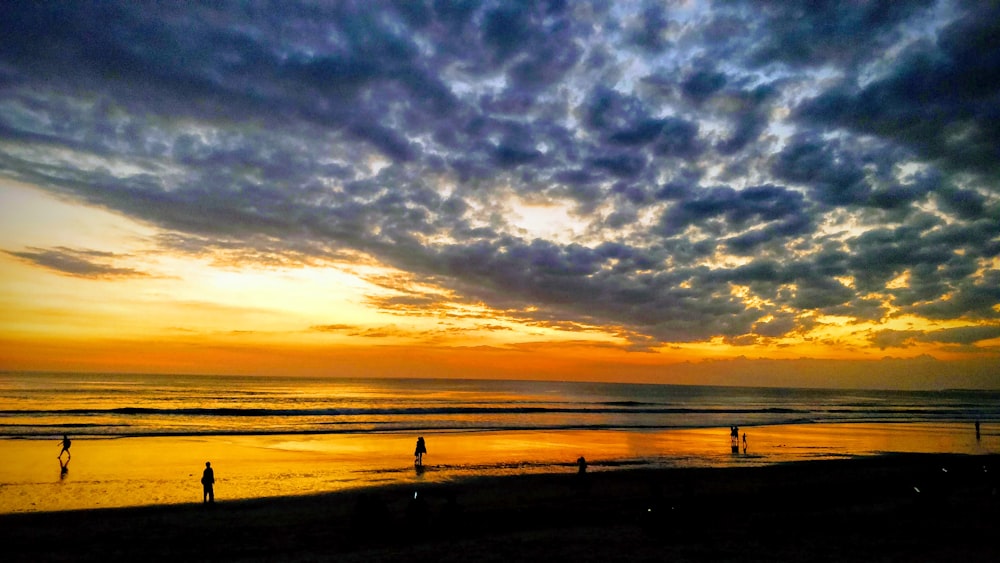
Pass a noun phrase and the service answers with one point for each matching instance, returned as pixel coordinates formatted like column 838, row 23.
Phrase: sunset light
column 668, row 190
column 499, row 280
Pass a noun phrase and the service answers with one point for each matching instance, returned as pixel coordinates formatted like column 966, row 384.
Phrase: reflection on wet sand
column 142, row 471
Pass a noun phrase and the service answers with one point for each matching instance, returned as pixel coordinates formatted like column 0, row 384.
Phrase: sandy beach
column 123, row 472
column 904, row 507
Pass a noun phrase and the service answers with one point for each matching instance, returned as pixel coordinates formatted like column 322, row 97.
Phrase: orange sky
column 210, row 315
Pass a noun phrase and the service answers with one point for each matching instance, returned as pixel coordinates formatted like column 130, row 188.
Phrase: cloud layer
column 734, row 170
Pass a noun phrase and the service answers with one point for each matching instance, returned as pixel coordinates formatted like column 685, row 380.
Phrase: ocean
column 142, row 439
column 91, row 405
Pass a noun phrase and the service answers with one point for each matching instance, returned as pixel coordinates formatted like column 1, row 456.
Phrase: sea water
column 91, row 405
column 143, row 439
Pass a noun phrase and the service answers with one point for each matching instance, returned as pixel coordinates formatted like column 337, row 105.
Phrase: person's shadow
column 63, row 469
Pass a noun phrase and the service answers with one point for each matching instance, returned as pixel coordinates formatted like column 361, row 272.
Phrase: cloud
column 966, row 335
column 332, row 328
column 92, row 264
column 773, row 211
column 798, row 33
column 939, row 99
column 730, row 169
column 702, row 84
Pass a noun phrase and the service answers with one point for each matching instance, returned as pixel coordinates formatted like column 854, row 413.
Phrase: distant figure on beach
column 65, row 448
column 734, row 438
column 744, row 443
column 582, row 481
column 419, row 452
column 977, row 430
column 208, row 482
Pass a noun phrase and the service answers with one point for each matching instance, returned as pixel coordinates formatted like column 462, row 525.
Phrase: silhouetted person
column 208, row 482
column 582, row 481
column 977, row 430
column 744, row 443
column 419, row 452
column 65, row 448
column 734, row 438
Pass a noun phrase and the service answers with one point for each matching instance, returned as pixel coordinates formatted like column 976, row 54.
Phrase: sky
column 745, row 193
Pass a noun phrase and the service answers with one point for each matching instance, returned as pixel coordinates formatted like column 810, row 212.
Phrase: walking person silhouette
column 208, row 482
column 65, row 448
column 419, row 452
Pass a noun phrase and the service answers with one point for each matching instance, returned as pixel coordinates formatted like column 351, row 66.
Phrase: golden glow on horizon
column 164, row 311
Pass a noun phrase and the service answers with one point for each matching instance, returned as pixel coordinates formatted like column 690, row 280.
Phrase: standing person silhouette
column 744, row 443
column 65, row 448
column 207, row 482
column 419, row 452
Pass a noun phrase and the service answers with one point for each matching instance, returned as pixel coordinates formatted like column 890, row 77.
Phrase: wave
column 66, row 425
column 361, row 429
column 394, row 411
column 47, row 431
column 621, row 407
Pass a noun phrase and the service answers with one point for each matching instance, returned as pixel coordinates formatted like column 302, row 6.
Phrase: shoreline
column 160, row 471
column 444, row 430
column 915, row 506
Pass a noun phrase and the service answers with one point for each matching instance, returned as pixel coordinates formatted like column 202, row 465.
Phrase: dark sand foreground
column 866, row 509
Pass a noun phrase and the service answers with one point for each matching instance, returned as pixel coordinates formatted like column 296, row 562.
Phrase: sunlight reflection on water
column 140, row 471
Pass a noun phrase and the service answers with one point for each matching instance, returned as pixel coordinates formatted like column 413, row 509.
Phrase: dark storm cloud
column 839, row 173
column 700, row 85
column 941, row 99
column 775, row 211
column 648, row 29
column 749, row 118
column 809, row 158
column 802, row 33
column 966, row 335
column 780, row 325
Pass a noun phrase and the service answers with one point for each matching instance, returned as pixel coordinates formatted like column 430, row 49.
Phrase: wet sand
column 122, row 472
column 904, row 507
